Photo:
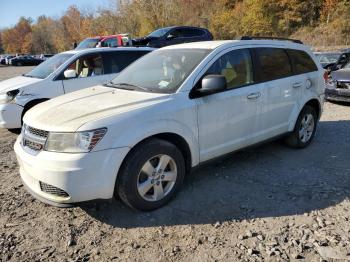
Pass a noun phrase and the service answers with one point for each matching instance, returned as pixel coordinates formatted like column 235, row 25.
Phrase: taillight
column 326, row 76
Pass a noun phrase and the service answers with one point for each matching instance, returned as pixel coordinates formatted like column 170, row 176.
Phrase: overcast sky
column 12, row 10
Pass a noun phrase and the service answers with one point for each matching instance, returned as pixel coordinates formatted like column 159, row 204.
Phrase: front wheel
column 151, row 175
column 305, row 128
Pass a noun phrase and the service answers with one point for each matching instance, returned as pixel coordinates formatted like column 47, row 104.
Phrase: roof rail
column 270, row 38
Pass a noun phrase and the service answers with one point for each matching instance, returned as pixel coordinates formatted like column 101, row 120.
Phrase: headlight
column 331, row 82
column 8, row 97
column 78, row 142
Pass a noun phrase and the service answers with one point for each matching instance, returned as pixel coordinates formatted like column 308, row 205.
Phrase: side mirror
column 212, row 84
column 70, row 73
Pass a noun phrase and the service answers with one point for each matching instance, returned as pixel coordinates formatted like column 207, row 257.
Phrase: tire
column 19, row 64
column 305, row 128
column 15, row 131
column 142, row 176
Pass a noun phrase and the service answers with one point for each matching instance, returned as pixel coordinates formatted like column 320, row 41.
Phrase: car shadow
column 269, row 180
column 339, row 103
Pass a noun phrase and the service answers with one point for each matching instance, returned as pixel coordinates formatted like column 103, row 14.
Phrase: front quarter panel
column 177, row 115
column 43, row 89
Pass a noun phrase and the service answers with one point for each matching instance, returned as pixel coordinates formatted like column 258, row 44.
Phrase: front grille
column 52, row 190
column 37, row 132
column 34, row 138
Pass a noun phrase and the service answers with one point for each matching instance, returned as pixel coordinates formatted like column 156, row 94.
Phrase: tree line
column 316, row 22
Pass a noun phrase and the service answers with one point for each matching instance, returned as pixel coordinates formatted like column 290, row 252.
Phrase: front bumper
column 10, row 116
column 83, row 177
column 338, row 94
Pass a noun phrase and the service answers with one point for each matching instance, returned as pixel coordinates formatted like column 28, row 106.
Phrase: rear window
column 301, row 61
column 274, row 63
column 114, row 62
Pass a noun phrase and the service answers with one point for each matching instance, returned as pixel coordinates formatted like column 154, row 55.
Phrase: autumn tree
column 42, row 36
column 259, row 18
column 327, row 10
column 14, row 39
column 1, row 47
column 314, row 21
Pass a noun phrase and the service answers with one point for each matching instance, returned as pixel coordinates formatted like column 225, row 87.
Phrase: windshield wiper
column 28, row 75
column 110, row 84
column 126, row 86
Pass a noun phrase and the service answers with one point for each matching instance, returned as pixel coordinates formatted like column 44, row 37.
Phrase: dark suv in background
column 173, row 35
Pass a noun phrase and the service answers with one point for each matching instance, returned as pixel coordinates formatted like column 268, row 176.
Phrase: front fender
column 152, row 128
column 24, row 99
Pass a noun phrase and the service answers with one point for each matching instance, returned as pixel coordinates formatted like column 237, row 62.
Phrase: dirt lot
column 266, row 203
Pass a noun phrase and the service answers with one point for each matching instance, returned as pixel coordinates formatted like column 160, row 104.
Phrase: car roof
column 231, row 43
column 327, row 53
column 107, row 49
column 180, row 26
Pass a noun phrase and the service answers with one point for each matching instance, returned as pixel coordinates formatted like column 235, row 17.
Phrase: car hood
column 69, row 112
column 342, row 75
column 16, row 83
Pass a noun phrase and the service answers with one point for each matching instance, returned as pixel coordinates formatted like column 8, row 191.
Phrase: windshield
column 328, row 58
column 49, row 66
column 161, row 71
column 88, row 43
column 159, row 33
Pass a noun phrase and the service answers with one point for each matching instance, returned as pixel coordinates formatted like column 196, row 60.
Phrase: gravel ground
column 265, row 203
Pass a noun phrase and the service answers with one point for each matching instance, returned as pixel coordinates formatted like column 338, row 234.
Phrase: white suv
column 166, row 113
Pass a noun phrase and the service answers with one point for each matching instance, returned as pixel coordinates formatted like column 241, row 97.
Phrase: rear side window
column 114, row 62
column 191, row 32
column 112, row 42
column 274, row 63
column 301, row 61
column 177, row 33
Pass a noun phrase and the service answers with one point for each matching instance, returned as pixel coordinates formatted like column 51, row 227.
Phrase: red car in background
column 104, row 41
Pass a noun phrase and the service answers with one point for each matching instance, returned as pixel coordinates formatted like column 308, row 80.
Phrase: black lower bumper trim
column 46, row 201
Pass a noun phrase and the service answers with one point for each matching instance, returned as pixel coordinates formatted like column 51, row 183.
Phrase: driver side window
column 87, row 66
column 176, row 33
column 235, row 66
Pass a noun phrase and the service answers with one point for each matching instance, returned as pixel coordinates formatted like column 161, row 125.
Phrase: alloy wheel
column 307, row 127
column 157, row 177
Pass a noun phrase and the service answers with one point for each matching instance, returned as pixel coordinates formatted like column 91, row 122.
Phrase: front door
column 227, row 120
column 89, row 72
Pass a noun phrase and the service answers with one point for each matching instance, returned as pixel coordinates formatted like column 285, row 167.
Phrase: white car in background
column 63, row 73
column 171, row 110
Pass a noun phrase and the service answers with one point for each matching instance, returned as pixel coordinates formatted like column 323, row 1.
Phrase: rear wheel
column 151, row 175
column 305, row 128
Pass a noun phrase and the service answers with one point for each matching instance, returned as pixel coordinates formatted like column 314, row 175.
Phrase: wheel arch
column 314, row 103
column 176, row 139
column 31, row 104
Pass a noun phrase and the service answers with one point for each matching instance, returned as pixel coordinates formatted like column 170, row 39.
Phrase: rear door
column 175, row 36
column 195, row 34
column 280, row 93
column 305, row 72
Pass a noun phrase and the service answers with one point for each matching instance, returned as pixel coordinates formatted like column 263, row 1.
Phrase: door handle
column 298, row 84
column 254, row 95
